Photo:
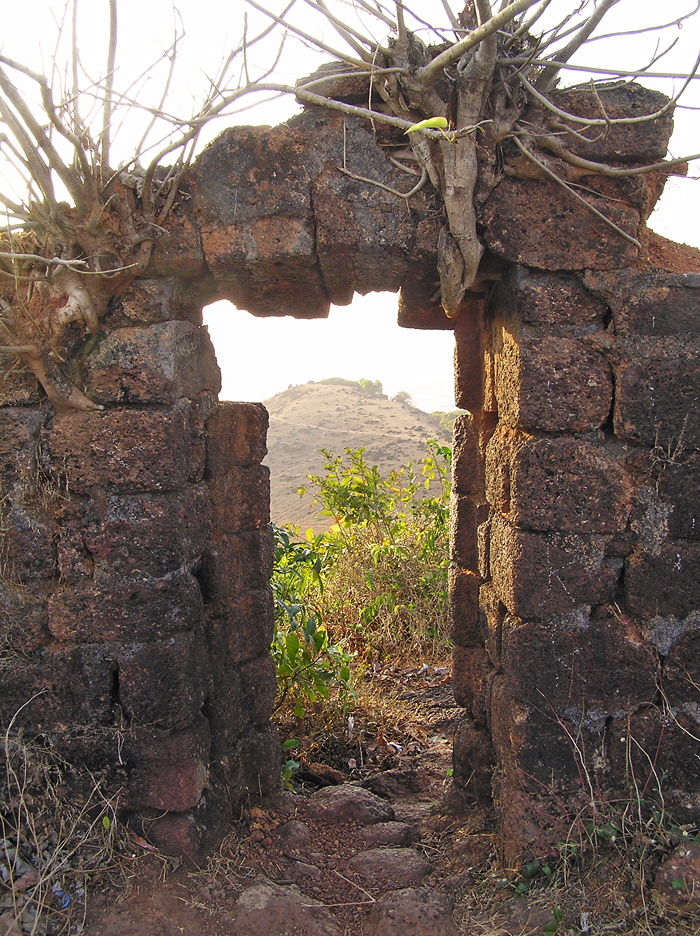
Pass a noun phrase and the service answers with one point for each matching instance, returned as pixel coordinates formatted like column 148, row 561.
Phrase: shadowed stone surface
column 420, row 912
column 267, row 909
column 397, row 867
column 337, row 804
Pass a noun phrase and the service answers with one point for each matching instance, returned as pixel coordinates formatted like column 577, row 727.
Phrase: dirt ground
column 404, row 755
column 159, row 897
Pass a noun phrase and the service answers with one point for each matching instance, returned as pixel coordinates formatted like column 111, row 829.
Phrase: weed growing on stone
column 669, row 454
column 614, row 871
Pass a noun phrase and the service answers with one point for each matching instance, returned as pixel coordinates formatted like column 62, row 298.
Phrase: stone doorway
column 574, row 528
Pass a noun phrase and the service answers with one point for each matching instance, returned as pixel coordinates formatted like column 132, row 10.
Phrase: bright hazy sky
column 260, row 357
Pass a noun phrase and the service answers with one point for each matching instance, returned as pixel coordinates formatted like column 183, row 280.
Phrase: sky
column 260, row 357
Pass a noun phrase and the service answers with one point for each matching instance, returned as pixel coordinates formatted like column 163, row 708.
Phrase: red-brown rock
column 258, row 687
column 557, row 302
column 559, row 484
column 154, row 534
column 543, row 226
column 134, row 608
column 126, row 450
column 473, row 674
column 156, row 364
column 551, row 383
column 657, row 397
column 492, row 612
column 236, row 437
column 236, row 563
column 652, row 305
column 678, row 877
column 566, row 664
column 538, row 575
column 241, row 499
column 167, row 771
column 663, row 582
column 164, row 683
column 464, row 608
column 149, row 301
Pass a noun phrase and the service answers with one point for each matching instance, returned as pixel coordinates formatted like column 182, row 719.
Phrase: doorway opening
column 367, row 580
column 296, row 367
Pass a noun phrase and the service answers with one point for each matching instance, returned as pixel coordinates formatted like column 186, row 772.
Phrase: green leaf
column 432, row 123
column 106, row 822
column 290, row 743
column 320, row 639
column 292, row 644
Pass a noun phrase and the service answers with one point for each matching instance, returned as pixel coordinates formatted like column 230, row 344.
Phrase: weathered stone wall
column 574, row 591
column 136, row 610
column 136, row 550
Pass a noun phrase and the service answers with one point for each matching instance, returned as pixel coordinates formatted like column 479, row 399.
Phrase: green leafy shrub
column 308, row 664
column 373, row 388
column 447, row 419
column 374, row 585
column 385, row 585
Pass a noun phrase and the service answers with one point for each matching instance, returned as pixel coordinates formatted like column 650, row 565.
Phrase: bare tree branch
column 44, row 261
column 546, row 79
column 607, row 121
column 454, row 22
column 526, row 26
column 109, row 88
column 554, row 145
column 401, row 22
column 40, row 137
column 376, row 11
column 660, row 27
column 596, row 70
column 430, row 71
column 318, row 43
column 354, row 39
column 40, row 172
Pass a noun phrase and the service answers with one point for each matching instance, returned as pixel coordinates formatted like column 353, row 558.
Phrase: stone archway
column 137, row 542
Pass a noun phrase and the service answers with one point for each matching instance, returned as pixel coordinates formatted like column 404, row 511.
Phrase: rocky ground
column 375, row 842
column 339, row 856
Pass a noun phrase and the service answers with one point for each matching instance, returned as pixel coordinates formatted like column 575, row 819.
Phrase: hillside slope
column 313, row 416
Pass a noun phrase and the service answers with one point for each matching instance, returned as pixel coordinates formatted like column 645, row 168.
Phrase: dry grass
column 53, row 847
column 387, row 605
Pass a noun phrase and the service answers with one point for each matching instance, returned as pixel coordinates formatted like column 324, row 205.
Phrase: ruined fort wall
column 135, row 609
column 574, row 590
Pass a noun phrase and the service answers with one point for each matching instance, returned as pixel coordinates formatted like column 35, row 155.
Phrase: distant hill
column 313, row 416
